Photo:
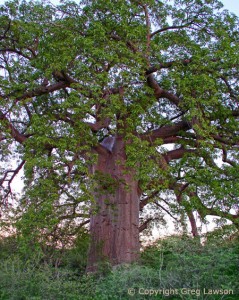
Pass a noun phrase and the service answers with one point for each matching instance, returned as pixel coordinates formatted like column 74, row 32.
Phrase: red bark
column 114, row 222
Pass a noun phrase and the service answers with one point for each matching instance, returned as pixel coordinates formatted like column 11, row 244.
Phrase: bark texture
column 114, row 223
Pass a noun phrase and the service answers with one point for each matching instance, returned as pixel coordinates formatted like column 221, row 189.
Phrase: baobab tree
column 109, row 106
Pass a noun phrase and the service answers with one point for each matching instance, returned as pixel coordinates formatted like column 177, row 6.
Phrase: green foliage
column 187, row 263
column 150, row 75
column 75, row 258
column 98, row 53
column 28, row 280
column 172, row 263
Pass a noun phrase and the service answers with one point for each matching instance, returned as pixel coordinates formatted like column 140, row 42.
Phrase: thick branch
column 20, row 138
column 193, row 223
column 101, row 150
column 177, row 153
column 159, row 92
column 146, row 200
column 42, row 90
column 166, row 131
column 167, row 65
column 145, row 224
column 226, row 159
column 99, row 125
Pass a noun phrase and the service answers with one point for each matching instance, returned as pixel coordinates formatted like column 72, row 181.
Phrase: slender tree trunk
column 114, row 223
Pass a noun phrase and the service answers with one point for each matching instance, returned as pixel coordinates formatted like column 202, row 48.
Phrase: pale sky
column 231, row 5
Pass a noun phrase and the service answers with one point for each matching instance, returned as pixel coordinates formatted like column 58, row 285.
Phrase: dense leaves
column 173, row 263
column 162, row 76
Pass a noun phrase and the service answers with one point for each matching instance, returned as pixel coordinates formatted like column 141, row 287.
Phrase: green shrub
column 185, row 263
column 172, row 263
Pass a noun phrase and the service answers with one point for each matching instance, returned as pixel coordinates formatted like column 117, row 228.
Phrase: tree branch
column 146, row 200
column 42, row 90
column 225, row 159
column 167, row 65
column 74, row 216
column 171, row 28
column 202, row 209
column 20, row 138
column 166, row 210
column 9, row 180
column 229, row 88
column 99, row 125
column 145, row 224
column 16, row 52
column 177, row 153
column 159, row 92
column 166, row 132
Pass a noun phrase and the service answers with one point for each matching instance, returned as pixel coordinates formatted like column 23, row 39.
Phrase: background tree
column 111, row 107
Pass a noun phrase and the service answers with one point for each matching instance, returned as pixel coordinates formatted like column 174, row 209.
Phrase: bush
column 27, row 280
column 173, row 263
column 185, row 263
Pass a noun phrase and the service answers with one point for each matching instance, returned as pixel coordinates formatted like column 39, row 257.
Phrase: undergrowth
column 173, row 268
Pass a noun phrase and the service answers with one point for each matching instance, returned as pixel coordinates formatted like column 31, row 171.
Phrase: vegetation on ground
column 176, row 263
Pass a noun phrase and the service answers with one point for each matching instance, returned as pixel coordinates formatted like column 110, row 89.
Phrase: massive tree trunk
column 114, row 223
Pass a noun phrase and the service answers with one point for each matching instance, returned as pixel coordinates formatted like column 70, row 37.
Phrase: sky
column 231, row 5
